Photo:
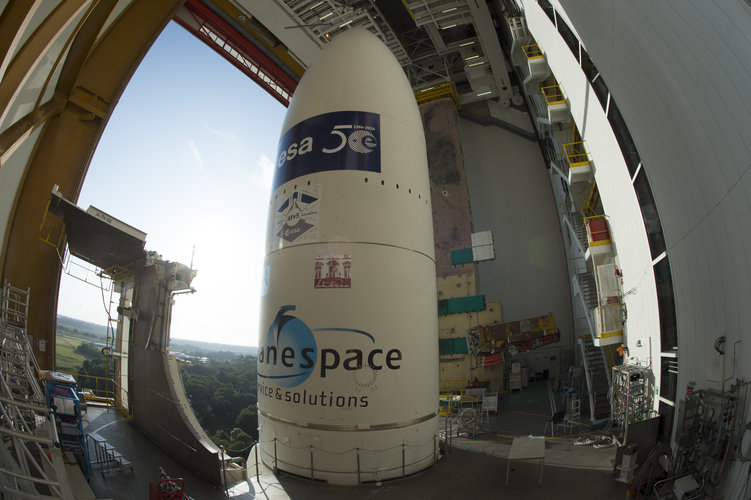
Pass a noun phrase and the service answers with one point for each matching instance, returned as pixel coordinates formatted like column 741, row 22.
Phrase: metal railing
column 315, row 456
column 597, row 236
column 609, row 320
column 533, row 51
column 553, row 94
column 576, row 154
column 101, row 390
column 37, row 459
column 14, row 306
column 31, row 463
column 588, row 200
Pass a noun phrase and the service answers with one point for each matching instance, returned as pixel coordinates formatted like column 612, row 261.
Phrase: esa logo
column 356, row 137
column 340, row 140
column 289, row 354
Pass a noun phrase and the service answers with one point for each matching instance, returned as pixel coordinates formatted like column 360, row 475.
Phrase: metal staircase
column 31, row 463
column 580, row 229
column 598, row 378
column 588, row 290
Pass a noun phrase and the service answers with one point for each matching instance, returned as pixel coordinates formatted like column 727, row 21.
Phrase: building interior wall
column 618, row 198
column 679, row 73
column 680, row 91
column 510, row 194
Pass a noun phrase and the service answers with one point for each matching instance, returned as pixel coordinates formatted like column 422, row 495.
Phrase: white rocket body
column 348, row 351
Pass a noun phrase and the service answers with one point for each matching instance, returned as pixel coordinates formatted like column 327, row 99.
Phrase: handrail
column 356, row 453
column 112, row 397
column 533, row 51
column 576, row 154
column 595, row 235
column 553, row 94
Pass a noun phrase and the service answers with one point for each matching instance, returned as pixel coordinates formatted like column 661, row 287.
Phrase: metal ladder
column 30, row 450
column 19, row 366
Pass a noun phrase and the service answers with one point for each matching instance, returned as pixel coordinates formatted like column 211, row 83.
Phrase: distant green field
column 67, row 359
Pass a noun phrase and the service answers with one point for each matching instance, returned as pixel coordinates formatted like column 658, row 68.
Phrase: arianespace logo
column 289, row 352
column 342, row 140
column 289, row 355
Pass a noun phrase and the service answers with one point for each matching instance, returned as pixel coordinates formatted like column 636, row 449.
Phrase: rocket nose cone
column 355, row 71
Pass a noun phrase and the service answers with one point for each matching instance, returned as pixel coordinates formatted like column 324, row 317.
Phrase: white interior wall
column 613, row 182
column 510, row 194
column 680, row 73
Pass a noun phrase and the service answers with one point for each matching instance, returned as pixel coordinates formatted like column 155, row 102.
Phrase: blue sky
column 186, row 158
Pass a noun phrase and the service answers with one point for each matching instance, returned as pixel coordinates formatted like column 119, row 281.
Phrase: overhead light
column 345, row 24
column 327, row 15
column 447, row 27
column 448, row 10
column 425, row 90
column 466, row 44
column 316, row 5
column 475, row 64
column 483, row 93
column 471, row 57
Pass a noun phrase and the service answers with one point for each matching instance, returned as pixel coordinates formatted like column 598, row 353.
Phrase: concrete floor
column 473, row 466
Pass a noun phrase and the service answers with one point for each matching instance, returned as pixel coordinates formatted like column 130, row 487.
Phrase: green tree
column 247, row 420
column 223, row 397
column 88, row 350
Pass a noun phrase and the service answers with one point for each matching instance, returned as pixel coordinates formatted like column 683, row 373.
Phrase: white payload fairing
column 348, row 348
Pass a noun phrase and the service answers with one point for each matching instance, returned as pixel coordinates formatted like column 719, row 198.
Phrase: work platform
column 475, row 466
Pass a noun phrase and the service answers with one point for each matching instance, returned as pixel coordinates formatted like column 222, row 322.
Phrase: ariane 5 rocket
column 348, row 348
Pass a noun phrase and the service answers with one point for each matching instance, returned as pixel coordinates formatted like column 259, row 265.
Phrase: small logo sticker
column 296, row 217
column 333, row 271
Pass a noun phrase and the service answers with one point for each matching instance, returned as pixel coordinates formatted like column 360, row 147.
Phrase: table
column 527, row 448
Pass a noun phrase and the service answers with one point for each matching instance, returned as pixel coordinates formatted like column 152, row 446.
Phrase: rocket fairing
column 348, row 350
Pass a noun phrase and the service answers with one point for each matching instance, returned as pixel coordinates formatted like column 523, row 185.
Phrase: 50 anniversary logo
column 341, row 140
column 289, row 355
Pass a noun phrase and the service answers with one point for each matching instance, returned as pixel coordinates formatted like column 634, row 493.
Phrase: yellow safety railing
column 436, row 92
column 576, row 154
column 101, row 390
column 533, row 51
column 447, row 402
column 597, row 236
column 118, row 273
column 573, row 133
column 589, row 200
column 553, row 94
column 454, row 386
column 609, row 354
column 52, row 228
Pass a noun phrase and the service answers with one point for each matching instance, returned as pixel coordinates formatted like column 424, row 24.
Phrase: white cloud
column 226, row 134
column 196, row 154
column 263, row 174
